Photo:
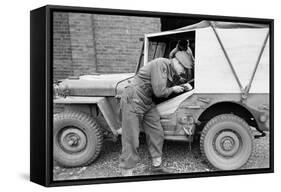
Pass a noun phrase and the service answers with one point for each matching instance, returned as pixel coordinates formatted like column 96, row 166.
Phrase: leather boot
column 127, row 172
column 162, row 170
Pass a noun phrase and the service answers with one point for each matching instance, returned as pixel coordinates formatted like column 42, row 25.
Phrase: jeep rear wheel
column 77, row 139
column 226, row 142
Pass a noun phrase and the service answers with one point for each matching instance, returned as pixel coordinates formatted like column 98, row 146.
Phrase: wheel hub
column 72, row 140
column 227, row 143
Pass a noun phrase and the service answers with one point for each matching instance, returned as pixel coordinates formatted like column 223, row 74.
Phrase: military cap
column 185, row 59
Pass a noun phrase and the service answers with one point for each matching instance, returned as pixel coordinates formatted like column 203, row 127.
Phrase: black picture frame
column 41, row 107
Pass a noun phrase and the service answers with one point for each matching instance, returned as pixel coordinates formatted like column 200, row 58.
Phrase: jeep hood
column 95, row 85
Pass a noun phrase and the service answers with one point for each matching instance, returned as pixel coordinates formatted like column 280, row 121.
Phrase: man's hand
column 178, row 89
column 187, row 86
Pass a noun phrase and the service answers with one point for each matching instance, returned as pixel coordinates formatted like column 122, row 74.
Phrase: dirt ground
column 175, row 155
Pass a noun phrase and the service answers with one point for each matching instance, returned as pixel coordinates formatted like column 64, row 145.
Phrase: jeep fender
column 205, row 106
column 102, row 103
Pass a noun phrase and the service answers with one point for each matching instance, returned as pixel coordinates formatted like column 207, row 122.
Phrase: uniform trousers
column 136, row 113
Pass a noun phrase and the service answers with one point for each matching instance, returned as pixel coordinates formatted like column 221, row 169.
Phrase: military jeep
column 229, row 99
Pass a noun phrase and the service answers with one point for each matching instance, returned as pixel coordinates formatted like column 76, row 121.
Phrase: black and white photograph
column 149, row 95
column 161, row 96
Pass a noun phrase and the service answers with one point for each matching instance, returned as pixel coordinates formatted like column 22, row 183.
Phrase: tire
column 77, row 139
column 226, row 142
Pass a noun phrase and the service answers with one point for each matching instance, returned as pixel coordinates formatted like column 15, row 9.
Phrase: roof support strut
column 247, row 89
column 227, row 57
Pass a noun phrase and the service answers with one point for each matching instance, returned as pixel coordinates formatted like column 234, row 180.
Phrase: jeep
column 229, row 99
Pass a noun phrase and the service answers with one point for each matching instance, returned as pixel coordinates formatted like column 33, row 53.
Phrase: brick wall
column 87, row 43
column 62, row 54
column 117, row 41
column 82, row 43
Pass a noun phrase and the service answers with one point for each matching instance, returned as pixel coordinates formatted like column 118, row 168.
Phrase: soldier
column 138, row 108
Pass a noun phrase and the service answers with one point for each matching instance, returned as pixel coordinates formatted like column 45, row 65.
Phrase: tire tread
column 215, row 120
column 87, row 119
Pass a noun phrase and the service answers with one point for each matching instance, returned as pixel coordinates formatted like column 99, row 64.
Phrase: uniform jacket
column 155, row 79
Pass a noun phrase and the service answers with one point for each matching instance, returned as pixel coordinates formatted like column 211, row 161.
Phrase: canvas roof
column 243, row 43
column 222, row 25
column 205, row 24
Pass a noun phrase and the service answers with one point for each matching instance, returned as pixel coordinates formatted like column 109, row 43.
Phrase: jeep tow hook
column 263, row 134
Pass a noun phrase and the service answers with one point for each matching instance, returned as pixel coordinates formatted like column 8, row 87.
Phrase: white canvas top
column 206, row 24
column 243, row 43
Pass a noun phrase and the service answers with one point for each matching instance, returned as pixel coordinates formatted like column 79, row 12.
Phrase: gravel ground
column 175, row 154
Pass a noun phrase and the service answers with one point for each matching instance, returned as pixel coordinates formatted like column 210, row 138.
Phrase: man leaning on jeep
column 137, row 107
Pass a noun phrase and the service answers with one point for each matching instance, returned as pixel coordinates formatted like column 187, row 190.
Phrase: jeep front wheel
column 226, row 142
column 77, row 139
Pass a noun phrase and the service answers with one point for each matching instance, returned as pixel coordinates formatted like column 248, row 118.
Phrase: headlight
column 263, row 118
column 55, row 90
column 59, row 90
